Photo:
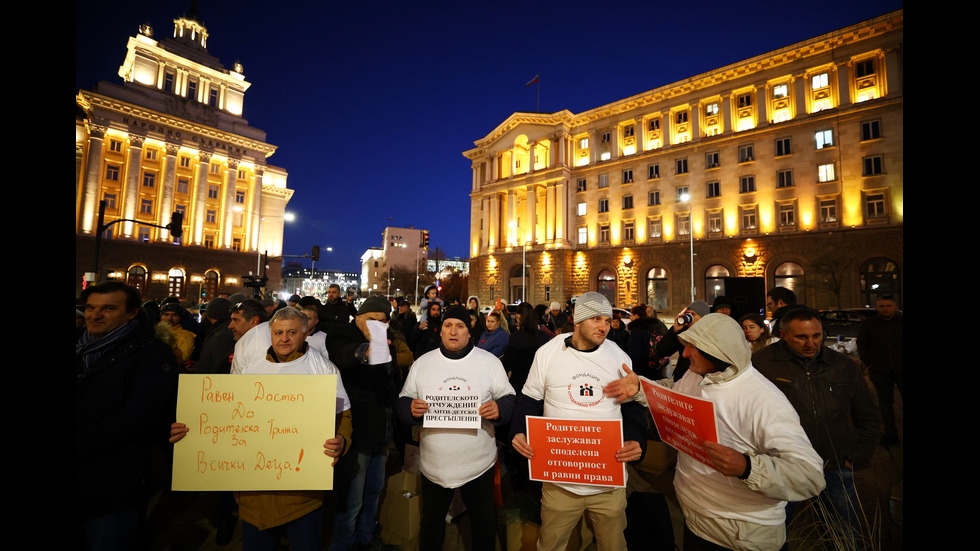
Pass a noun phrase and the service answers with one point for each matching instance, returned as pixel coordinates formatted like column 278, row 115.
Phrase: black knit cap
column 459, row 312
column 377, row 303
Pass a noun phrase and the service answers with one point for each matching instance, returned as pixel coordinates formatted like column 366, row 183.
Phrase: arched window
column 606, row 285
column 211, row 279
column 136, row 278
column 879, row 276
column 175, row 284
column 790, row 276
column 657, row 288
column 714, row 282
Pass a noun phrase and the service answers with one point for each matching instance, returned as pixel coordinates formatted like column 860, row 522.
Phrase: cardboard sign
column 576, row 451
column 451, row 411
column 255, row 432
column 682, row 421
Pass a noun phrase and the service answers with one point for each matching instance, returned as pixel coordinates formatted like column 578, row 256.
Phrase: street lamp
column 690, row 232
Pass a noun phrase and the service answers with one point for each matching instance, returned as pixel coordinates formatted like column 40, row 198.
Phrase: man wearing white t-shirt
column 461, row 458
column 564, row 383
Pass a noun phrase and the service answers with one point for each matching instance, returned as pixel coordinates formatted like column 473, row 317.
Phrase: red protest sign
column 576, row 451
column 682, row 421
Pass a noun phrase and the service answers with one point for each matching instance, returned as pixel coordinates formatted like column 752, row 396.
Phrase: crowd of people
column 795, row 418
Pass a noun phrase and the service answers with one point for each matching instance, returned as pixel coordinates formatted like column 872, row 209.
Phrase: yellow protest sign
column 255, row 432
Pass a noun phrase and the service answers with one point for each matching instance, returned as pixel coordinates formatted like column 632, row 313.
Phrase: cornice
column 282, row 192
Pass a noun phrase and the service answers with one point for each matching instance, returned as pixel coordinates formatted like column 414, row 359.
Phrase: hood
column 722, row 337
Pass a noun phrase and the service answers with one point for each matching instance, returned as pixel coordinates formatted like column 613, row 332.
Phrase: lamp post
column 690, row 232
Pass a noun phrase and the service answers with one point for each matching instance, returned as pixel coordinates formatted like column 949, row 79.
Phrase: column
column 255, row 209
column 665, row 129
column 530, row 156
column 493, row 237
column 799, row 92
column 201, row 195
column 530, row 225
column 844, row 85
column 227, row 210
column 485, row 224
column 93, row 173
column 761, row 105
column 891, row 83
column 511, row 220
column 560, row 211
column 549, row 208
column 167, row 195
column 494, row 171
column 130, row 198
column 695, row 118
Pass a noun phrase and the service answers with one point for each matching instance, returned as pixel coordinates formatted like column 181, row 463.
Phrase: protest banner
column 682, row 421
column 451, row 410
column 576, row 451
column 255, row 432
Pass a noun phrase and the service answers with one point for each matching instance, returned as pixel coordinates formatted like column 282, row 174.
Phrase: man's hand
column 490, row 410
column 728, row 461
column 625, row 388
column 177, row 432
column 334, row 447
column 631, row 451
column 520, row 444
column 423, row 325
column 419, row 407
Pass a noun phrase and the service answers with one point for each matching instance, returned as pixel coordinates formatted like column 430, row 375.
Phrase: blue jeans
column 357, row 503
column 304, row 533
column 839, row 500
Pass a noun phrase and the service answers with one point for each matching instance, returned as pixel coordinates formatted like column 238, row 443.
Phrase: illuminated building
column 171, row 138
column 401, row 247
column 787, row 167
column 310, row 282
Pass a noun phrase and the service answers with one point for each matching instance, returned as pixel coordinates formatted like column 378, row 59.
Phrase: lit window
column 714, row 222
column 711, row 160
column 215, row 168
column 654, row 124
column 656, row 228
column 780, row 91
column 604, row 233
column 629, row 231
column 583, row 143
column 825, row 173
column 581, row 209
column 653, row 171
column 603, row 205
column 603, row 181
column 151, row 154
column 749, row 218
column 828, row 210
column 653, row 198
column 627, row 201
column 820, row 81
column 745, row 100
column 212, row 192
column 185, row 162
column 115, row 145
column 873, row 166
column 681, row 166
column 240, row 197
column 711, row 109
column 784, row 178
column 628, row 176
column 182, row 185
column 875, row 205
column 209, row 240
column 787, row 214
column 212, row 216
column 681, row 117
column 605, row 156
column 581, row 185
column 110, row 200
column 112, row 173
column 684, row 224
column 825, row 138
column 146, row 206
column 144, row 234
column 682, row 194
column 714, row 189
column 870, row 130
column 149, row 179
column 746, row 184
column 783, row 147
column 745, row 154
column 583, row 236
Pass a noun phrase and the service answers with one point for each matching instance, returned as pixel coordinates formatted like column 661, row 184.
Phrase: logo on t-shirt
column 584, row 390
column 455, row 383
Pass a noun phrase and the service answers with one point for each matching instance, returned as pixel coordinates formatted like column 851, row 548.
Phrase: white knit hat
column 590, row 305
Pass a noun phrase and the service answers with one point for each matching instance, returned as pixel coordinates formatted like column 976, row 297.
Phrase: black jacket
column 881, row 344
column 835, row 404
column 219, row 345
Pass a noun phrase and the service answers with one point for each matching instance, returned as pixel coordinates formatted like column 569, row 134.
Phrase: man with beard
column 335, row 311
column 425, row 337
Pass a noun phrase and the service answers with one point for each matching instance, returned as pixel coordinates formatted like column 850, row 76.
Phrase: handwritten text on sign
column 682, row 421
column 255, row 432
column 576, row 451
column 452, row 411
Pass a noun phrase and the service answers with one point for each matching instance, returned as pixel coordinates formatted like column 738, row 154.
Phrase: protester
column 757, row 332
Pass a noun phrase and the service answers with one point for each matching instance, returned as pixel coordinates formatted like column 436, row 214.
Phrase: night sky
column 371, row 104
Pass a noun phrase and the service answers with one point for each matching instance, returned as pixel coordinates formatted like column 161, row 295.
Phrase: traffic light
column 176, row 225
column 425, row 239
column 316, row 253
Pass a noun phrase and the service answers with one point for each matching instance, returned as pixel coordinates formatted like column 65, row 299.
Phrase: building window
column 714, row 222
column 215, row 168
column 628, row 131
column 864, row 68
column 143, row 234
column 583, row 236
column 238, row 219
column 192, row 89
column 654, row 124
column 684, row 224
column 657, row 288
column 711, row 160
column 681, row 166
column 820, row 81
column 745, row 153
column 213, row 98
column 714, row 189
column 110, row 200
column 656, row 228
column 149, row 179
column 870, row 130
column 604, row 233
column 746, row 184
column 115, row 145
column 784, row 178
column 236, row 242
column 603, row 181
column 185, row 162
column 745, row 100
column 581, row 185
column 711, row 109
column 606, row 138
column 209, row 241
column 627, row 201
column 780, row 91
column 682, row 194
column 212, row 192
column 750, row 219
column 681, row 117
column 242, row 175
column 787, row 214
column 112, row 172
column 825, row 138
column 629, row 231
column 628, row 176
column 583, row 143
column 783, row 147
column 211, row 217
column 146, row 206
column 828, row 210
column 605, row 156
column 653, row 198
column 603, row 205
column 653, row 171
column 168, row 81
column 151, row 154
column 875, row 205
column 879, row 276
column 182, row 185
column 581, row 209
column 826, row 173
column 240, row 197
column 873, row 166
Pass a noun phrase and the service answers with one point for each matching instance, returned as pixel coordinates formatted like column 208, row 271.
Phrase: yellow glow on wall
column 765, row 219
column 583, row 160
column 682, row 138
column 746, row 123
column 546, row 260
column 852, row 209
column 629, row 150
column 806, row 219
column 654, row 144
column 640, row 233
column 781, row 115
column 731, row 222
column 668, row 229
column 580, row 264
column 492, row 261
